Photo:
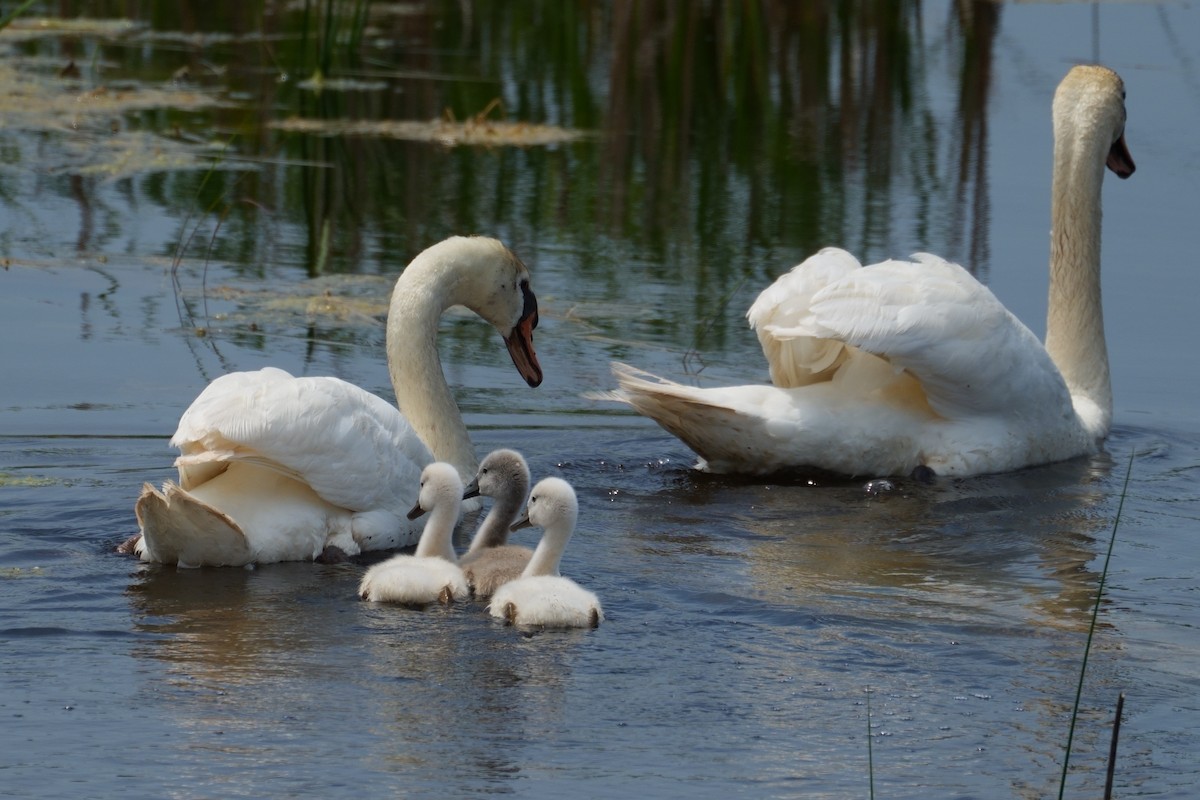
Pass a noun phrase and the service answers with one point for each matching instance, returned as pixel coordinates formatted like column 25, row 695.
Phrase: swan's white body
column 491, row 562
column 431, row 574
column 277, row 468
column 541, row 597
column 882, row 369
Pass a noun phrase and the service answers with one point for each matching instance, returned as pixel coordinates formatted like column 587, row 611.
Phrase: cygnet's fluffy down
column 491, row 562
column 431, row 574
column 541, row 597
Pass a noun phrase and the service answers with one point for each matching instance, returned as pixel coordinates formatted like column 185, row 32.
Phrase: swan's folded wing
column 933, row 319
column 352, row 447
column 782, row 318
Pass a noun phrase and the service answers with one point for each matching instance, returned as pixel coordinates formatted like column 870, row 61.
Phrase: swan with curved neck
column 278, row 468
column 490, row 561
column 884, row 369
column 542, row 597
column 431, row 574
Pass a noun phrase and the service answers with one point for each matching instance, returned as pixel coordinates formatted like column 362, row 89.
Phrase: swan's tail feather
column 712, row 429
column 179, row 529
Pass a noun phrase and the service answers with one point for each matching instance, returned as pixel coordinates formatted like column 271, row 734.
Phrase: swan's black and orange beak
column 1119, row 160
column 520, row 341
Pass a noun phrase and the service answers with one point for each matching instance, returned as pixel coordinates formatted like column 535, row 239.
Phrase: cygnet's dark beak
column 471, row 489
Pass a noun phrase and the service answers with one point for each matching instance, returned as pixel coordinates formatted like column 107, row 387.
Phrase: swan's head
column 440, row 487
column 1090, row 105
column 552, row 504
column 503, row 473
column 485, row 276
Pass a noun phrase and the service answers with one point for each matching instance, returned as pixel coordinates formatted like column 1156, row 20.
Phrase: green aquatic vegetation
column 1087, row 648
column 13, row 573
column 90, row 137
column 14, row 13
column 28, row 28
column 41, row 102
column 447, row 132
column 7, row 479
column 345, row 301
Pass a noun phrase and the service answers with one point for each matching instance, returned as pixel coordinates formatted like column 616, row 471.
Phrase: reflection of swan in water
column 882, row 369
column 231, row 628
column 247, row 652
column 1010, row 548
column 276, row 468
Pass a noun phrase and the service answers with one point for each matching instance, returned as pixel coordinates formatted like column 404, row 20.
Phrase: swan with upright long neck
column 884, row 369
column 541, row 597
column 491, row 561
column 279, row 468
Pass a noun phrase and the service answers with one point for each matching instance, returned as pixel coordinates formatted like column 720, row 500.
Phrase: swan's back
column 488, row 569
column 414, row 581
column 547, row 601
column 316, row 429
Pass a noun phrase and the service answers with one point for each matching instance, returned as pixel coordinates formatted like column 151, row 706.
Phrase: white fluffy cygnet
column 431, row 574
column 541, row 597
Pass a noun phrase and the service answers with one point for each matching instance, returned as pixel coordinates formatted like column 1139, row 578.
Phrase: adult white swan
column 883, row 369
column 277, row 468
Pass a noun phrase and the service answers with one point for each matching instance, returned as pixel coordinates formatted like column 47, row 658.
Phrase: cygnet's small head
column 493, row 283
column 502, row 474
column 440, row 487
column 552, row 504
column 1090, row 104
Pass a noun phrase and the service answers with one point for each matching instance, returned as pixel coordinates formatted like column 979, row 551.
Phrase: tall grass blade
column 1112, row 747
column 16, row 12
column 870, row 753
column 1087, row 648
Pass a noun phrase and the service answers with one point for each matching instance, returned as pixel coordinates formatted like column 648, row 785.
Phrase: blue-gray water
column 749, row 624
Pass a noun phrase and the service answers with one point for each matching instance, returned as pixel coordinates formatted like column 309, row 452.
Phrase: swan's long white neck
column 548, row 555
column 494, row 530
column 437, row 537
column 1075, row 319
column 426, row 288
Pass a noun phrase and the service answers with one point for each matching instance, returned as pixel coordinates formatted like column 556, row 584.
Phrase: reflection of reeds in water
column 738, row 134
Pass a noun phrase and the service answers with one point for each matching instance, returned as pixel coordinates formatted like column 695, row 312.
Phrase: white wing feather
column 353, row 448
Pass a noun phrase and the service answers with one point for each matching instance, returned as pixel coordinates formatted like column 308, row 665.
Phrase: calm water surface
column 750, row 623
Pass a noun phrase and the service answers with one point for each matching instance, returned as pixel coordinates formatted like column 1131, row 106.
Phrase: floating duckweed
column 8, row 479
column 451, row 133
